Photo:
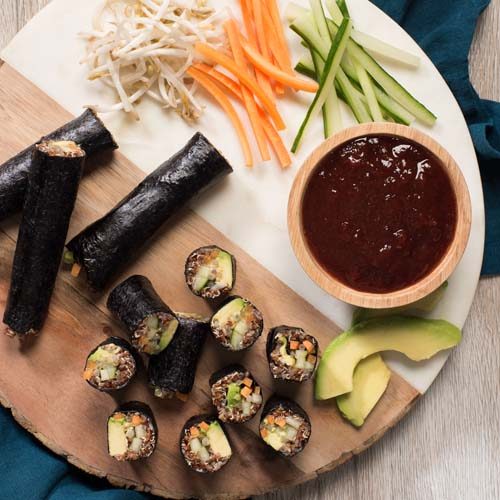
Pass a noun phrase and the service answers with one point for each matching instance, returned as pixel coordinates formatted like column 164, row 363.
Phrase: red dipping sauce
column 379, row 213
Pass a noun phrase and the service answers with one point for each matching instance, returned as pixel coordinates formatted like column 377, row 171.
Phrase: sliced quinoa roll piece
column 285, row 426
column 53, row 182
column 173, row 371
column 292, row 353
column 210, row 272
column 235, row 394
column 151, row 324
column 111, row 365
column 204, row 444
column 87, row 131
column 237, row 324
column 112, row 242
column 132, row 432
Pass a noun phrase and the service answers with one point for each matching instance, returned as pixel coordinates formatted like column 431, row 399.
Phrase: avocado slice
column 287, row 359
column 225, row 269
column 369, row 382
column 231, row 309
column 168, row 334
column 417, row 338
column 233, row 395
column 275, row 440
column 218, row 440
column 423, row 306
column 117, row 440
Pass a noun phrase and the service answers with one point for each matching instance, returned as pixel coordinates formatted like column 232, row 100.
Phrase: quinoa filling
column 155, row 333
column 205, row 447
column 285, row 431
column 237, row 397
column 209, row 272
column 131, row 436
column 237, row 325
column 109, row 367
column 294, row 355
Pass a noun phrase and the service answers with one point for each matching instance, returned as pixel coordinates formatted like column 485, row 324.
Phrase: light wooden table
column 448, row 447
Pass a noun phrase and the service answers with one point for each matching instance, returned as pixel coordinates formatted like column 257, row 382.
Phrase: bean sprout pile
column 144, row 48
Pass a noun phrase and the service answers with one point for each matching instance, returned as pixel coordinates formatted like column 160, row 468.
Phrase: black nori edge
column 135, row 299
column 87, row 131
column 50, row 199
column 108, row 244
column 124, row 345
column 174, row 369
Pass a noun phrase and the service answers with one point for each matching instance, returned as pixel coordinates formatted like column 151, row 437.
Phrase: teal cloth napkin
column 444, row 30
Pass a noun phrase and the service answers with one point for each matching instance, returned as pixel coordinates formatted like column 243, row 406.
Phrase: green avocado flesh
column 422, row 306
column 417, row 338
column 233, row 395
column 218, row 440
column 220, row 273
column 370, row 380
column 231, row 313
column 168, row 334
column 117, row 440
column 287, row 359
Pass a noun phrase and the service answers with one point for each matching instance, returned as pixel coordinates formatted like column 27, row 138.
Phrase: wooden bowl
column 406, row 295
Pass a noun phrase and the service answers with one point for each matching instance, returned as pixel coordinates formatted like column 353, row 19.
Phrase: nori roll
column 172, row 373
column 235, row 394
column 150, row 323
column 237, row 324
column 52, row 189
column 111, row 365
column 204, row 444
column 107, row 245
column 210, row 272
column 87, row 131
column 285, row 426
column 292, row 354
column 132, row 432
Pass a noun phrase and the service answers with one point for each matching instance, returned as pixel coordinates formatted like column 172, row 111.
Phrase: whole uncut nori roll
column 132, row 432
column 172, row 373
column 87, row 131
column 284, row 426
column 150, row 323
column 111, row 365
column 235, row 394
column 210, row 272
column 237, row 324
column 204, row 444
column 292, row 354
column 107, row 245
column 52, row 189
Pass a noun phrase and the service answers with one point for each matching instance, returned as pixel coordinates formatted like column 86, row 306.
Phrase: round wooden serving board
column 42, row 382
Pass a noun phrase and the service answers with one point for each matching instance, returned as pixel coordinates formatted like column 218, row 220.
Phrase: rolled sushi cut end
column 235, row 394
column 210, row 272
column 204, row 444
column 110, row 366
column 285, row 426
column 132, row 433
column 292, row 353
column 237, row 324
column 155, row 333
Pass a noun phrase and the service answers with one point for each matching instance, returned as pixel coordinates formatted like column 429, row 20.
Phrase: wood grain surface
column 448, row 446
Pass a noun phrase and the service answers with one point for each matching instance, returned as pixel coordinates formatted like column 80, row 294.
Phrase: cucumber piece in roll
column 235, row 394
column 210, row 272
column 204, row 444
column 111, row 365
column 151, row 324
column 237, row 324
column 285, row 426
column 132, row 432
column 54, row 177
column 292, row 354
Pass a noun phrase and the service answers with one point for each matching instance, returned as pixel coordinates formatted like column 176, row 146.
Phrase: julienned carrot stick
column 276, row 73
column 281, row 55
column 250, row 105
column 258, row 17
column 278, row 30
column 249, row 82
column 248, row 19
column 229, row 85
column 221, row 98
